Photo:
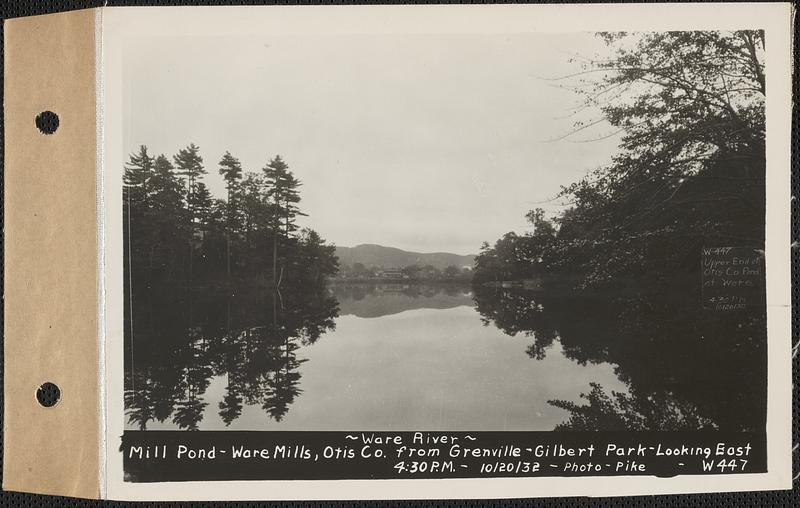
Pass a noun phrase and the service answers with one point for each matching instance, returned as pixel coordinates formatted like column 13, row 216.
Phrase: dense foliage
column 176, row 233
column 690, row 170
column 689, row 173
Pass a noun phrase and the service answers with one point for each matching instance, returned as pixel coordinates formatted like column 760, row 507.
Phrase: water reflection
column 685, row 367
column 376, row 300
column 184, row 341
column 446, row 357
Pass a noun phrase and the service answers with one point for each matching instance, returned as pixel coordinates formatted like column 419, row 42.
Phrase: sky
column 430, row 143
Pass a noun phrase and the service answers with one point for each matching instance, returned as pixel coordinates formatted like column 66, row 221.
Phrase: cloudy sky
column 426, row 143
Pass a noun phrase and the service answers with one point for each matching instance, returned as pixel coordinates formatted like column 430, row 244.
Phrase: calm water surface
column 414, row 357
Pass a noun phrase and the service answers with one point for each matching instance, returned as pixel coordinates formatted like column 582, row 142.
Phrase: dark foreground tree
column 231, row 170
column 189, row 165
column 691, row 167
column 690, row 170
column 283, row 197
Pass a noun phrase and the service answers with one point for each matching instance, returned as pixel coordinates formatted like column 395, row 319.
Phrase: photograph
column 400, row 252
column 445, row 231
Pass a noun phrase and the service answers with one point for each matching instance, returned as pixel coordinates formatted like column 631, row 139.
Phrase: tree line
column 450, row 273
column 176, row 232
column 689, row 172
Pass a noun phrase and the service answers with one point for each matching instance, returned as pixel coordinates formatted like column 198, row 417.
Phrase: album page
column 481, row 251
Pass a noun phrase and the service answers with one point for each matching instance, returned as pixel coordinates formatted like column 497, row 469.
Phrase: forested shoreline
column 178, row 234
column 223, row 292
column 689, row 171
column 218, row 287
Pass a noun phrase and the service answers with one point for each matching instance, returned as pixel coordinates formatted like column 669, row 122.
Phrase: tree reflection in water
column 685, row 367
column 250, row 336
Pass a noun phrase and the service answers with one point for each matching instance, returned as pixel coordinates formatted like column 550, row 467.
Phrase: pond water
column 417, row 357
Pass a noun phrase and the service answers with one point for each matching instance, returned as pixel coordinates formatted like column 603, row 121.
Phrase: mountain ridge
column 380, row 256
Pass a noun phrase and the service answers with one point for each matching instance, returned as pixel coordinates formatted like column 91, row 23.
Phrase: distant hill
column 389, row 257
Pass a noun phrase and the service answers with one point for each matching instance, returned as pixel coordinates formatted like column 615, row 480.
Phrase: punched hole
column 48, row 394
column 47, row 122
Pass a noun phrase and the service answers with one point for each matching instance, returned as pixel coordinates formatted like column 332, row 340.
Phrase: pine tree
column 136, row 192
column 166, row 187
column 167, row 214
column 252, row 204
column 190, row 165
column 201, row 202
column 231, row 170
column 138, row 172
column 282, row 196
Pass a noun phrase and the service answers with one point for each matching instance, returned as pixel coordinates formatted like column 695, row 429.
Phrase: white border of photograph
column 122, row 24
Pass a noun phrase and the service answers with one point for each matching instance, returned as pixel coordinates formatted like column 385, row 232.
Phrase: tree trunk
column 189, row 200
column 228, row 238
column 274, row 257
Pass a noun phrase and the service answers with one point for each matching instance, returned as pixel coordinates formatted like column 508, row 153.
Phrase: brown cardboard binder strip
column 51, row 256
